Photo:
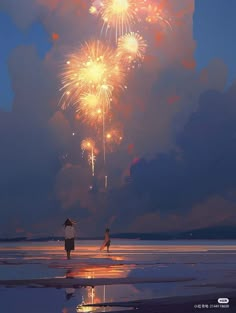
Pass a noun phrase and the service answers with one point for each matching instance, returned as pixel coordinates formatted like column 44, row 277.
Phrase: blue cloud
column 11, row 37
column 214, row 31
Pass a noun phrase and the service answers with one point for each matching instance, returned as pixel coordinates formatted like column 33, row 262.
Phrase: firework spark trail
column 89, row 145
column 118, row 14
column 122, row 15
column 96, row 71
column 89, row 79
column 105, row 94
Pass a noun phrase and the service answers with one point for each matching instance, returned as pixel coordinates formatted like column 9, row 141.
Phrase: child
column 69, row 237
column 107, row 240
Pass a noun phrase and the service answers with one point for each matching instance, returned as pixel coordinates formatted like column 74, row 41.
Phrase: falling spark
column 89, row 146
column 113, row 138
column 93, row 10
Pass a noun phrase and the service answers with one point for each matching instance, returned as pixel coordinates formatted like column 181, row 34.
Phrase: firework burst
column 90, row 109
column 118, row 14
column 94, row 68
column 131, row 47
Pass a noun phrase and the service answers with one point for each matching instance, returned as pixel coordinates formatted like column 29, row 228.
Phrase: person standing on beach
column 107, row 241
column 69, row 237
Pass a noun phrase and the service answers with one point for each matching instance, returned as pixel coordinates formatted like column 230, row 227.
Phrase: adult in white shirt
column 69, row 237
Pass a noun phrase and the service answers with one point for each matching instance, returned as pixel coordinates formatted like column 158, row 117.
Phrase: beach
column 145, row 276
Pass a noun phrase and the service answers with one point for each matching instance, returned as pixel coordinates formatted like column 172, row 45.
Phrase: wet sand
column 177, row 304
column 152, row 277
column 77, row 283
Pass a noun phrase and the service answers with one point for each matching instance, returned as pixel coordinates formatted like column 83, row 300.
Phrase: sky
column 174, row 169
column 214, row 34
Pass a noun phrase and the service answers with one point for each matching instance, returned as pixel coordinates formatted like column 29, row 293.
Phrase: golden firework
column 87, row 144
column 94, row 68
column 120, row 14
column 131, row 47
column 90, row 108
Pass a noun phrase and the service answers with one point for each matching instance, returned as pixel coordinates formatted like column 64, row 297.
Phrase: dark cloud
column 29, row 159
column 189, row 181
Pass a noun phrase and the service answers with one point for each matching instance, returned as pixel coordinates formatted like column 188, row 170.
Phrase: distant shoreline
column 2, row 240
column 210, row 233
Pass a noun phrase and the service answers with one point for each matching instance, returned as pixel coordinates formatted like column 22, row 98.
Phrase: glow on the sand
column 89, row 145
column 131, row 47
column 120, row 14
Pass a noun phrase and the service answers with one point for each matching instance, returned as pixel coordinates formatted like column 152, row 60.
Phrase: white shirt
column 69, row 232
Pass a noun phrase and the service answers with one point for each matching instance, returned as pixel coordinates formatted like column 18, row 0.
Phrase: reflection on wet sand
column 94, row 295
column 132, row 271
column 90, row 299
column 91, row 302
column 99, row 271
column 90, row 296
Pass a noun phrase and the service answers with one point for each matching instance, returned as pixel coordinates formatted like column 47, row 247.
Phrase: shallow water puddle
column 70, row 300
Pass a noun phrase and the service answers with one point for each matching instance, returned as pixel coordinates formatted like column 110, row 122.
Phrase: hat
column 69, row 222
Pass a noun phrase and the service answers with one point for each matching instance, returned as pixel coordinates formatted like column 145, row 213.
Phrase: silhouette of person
column 107, row 241
column 69, row 237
